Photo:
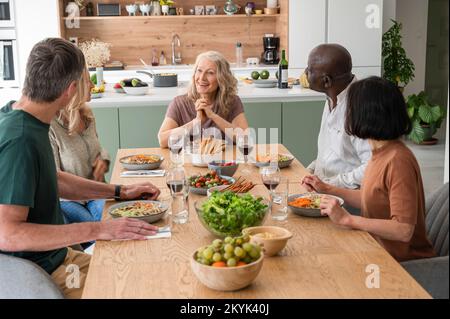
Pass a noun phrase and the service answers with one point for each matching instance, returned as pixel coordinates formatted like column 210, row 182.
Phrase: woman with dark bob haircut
column 391, row 197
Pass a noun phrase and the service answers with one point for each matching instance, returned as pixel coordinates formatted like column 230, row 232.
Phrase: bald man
column 341, row 159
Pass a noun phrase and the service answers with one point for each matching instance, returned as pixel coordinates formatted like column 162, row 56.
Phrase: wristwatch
column 117, row 190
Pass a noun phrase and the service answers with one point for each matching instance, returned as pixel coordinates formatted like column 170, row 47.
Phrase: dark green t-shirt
column 28, row 177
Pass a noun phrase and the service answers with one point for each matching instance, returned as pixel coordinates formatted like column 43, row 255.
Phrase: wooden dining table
column 321, row 260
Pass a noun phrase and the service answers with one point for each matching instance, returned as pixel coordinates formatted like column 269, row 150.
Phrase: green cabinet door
column 139, row 126
column 265, row 116
column 301, row 126
column 107, row 123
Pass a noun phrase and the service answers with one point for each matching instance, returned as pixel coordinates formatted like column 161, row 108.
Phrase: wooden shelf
column 220, row 16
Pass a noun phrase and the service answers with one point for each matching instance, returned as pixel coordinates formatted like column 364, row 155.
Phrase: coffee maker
column 271, row 45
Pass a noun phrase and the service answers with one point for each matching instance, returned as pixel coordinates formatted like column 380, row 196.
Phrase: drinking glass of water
column 279, row 199
column 175, row 144
column 176, row 182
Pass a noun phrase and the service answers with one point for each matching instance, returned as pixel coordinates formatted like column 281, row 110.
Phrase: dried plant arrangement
column 96, row 53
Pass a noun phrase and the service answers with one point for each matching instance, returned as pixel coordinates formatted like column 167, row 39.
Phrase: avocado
column 94, row 78
column 126, row 82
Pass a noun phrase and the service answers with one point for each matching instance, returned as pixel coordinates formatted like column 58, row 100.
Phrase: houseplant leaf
column 417, row 133
column 425, row 114
column 411, row 112
column 436, row 113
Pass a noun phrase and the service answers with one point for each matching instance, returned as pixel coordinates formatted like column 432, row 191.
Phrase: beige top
column 76, row 153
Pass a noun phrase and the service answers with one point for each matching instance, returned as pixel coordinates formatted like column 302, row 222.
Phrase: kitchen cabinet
column 301, row 126
column 139, row 126
column 307, row 29
column 107, row 123
column 264, row 115
column 357, row 25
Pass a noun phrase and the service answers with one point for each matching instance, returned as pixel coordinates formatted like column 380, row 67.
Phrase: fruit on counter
column 264, row 74
column 304, row 80
column 255, row 75
column 133, row 82
column 117, row 86
column 230, row 252
column 94, row 78
column 136, row 83
column 98, row 89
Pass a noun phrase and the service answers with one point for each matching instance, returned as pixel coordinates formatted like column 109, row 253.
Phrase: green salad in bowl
column 226, row 214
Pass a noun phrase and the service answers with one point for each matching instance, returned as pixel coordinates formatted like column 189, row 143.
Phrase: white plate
column 142, row 90
column 269, row 83
column 96, row 95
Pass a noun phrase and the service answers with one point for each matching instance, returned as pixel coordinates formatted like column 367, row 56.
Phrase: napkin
column 144, row 173
column 163, row 232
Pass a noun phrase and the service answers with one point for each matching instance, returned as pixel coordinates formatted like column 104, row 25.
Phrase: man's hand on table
column 124, row 228
column 312, row 183
column 146, row 191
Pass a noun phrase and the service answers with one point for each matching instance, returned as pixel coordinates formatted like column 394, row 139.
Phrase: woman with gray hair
column 77, row 150
column 211, row 100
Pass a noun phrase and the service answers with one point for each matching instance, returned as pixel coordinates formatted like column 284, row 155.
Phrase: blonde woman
column 211, row 99
column 77, row 150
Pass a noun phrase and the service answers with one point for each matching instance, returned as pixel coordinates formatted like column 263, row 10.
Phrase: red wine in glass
column 175, row 186
column 245, row 149
column 271, row 184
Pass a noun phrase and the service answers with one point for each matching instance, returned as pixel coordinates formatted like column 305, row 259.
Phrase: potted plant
column 397, row 67
column 426, row 118
column 165, row 4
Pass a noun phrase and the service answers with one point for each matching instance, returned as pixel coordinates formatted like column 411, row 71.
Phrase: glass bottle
column 155, row 59
column 239, row 55
column 162, row 59
column 283, row 71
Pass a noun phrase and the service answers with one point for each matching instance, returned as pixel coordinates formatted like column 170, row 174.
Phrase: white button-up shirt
column 341, row 158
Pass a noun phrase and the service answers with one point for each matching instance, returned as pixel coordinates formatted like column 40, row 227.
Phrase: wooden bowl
column 271, row 246
column 270, row 10
column 226, row 278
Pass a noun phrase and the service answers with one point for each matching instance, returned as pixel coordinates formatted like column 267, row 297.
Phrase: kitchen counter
column 161, row 96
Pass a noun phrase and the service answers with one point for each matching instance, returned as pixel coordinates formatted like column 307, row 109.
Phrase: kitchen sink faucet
column 176, row 57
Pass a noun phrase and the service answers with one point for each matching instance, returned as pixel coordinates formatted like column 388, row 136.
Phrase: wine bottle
column 283, row 71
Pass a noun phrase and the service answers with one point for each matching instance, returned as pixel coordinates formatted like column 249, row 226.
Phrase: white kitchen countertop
column 163, row 96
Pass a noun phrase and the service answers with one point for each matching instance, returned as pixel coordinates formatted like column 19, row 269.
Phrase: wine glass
column 245, row 145
column 175, row 146
column 270, row 176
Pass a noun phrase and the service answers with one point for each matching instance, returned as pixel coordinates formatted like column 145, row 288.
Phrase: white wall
column 389, row 13
column 35, row 20
column 413, row 14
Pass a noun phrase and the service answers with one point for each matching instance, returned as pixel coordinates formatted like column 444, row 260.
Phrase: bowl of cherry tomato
column 199, row 184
